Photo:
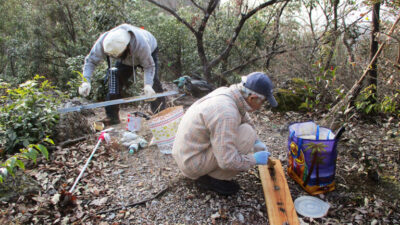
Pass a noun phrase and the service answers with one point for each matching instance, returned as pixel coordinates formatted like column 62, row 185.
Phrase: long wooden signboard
column 278, row 200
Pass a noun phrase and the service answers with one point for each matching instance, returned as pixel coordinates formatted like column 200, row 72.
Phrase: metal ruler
column 115, row 102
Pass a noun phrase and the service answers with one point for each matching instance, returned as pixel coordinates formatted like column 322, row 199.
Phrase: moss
column 288, row 100
column 292, row 97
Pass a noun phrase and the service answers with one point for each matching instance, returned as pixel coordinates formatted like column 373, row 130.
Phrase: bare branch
column 237, row 30
column 198, row 6
column 270, row 54
column 390, row 36
column 395, row 64
column 172, row 12
column 276, row 30
column 309, row 13
column 211, row 7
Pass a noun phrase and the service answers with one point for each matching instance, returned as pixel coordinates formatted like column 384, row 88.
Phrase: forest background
column 336, row 59
column 327, row 57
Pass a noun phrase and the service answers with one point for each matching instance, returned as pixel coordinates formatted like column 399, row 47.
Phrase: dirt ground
column 119, row 187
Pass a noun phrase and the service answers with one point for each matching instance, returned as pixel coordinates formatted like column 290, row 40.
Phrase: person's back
column 128, row 46
column 200, row 119
column 215, row 138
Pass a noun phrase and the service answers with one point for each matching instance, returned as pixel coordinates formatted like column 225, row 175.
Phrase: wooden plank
column 278, row 200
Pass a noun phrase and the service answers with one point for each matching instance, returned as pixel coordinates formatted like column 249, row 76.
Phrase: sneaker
column 223, row 187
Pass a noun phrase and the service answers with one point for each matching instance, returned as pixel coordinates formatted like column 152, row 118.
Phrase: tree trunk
column 398, row 56
column 333, row 35
column 346, row 40
column 373, row 73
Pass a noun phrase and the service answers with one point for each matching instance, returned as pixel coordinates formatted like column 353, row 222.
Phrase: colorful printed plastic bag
column 312, row 157
column 164, row 125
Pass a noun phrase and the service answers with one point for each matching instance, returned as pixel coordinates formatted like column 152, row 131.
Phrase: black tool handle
column 340, row 132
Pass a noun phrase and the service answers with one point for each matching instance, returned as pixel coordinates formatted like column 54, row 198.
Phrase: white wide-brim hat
column 115, row 42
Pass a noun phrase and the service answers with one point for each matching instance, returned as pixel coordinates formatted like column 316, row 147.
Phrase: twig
column 71, row 141
column 135, row 203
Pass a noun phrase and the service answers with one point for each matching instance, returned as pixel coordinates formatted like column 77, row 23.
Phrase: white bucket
column 164, row 125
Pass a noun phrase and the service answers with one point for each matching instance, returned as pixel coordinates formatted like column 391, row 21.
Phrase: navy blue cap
column 260, row 83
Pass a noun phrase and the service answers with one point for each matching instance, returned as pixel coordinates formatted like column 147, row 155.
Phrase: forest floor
column 367, row 182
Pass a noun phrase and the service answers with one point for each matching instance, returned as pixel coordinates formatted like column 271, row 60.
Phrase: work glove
column 262, row 157
column 84, row 89
column 148, row 92
column 260, row 146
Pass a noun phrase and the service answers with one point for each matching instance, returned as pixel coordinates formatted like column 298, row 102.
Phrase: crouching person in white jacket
column 129, row 47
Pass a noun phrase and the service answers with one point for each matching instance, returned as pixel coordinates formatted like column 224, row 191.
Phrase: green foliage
column 324, row 83
column 368, row 103
column 28, row 113
column 311, row 98
column 299, row 96
column 51, row 38
column 391, row 104
column 74, row 84
column 31, row 152
column 178, row 53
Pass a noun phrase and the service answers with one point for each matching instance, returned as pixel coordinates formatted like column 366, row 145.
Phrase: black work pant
column 123, row 74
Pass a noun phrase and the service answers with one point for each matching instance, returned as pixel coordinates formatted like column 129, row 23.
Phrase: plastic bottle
column 133, row 148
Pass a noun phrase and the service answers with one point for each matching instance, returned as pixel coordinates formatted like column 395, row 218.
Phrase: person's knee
column 246, row 138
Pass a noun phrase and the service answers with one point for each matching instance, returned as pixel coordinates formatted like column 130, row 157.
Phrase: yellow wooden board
column 278, row 200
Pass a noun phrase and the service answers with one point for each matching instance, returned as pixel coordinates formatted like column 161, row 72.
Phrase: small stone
column 241, row 218
column 215, row 215
column 111, row 216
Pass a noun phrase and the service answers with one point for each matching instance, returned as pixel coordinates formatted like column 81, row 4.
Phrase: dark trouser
column 123, row 74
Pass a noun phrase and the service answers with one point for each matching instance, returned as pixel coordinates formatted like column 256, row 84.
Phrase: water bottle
column 133, row 148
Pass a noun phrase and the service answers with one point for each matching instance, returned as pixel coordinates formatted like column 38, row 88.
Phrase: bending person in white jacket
column 128, row 46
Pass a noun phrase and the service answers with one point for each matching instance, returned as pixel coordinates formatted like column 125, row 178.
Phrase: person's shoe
column 223, row 187
column 110, row 121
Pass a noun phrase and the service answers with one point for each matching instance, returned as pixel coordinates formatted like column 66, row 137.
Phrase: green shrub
column 30, row 152
column 391, row 104
column 368, row 103
column 74, row 81
column 28, row 113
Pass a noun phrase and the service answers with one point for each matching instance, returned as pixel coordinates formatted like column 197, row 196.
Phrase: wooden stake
column 278, row 200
